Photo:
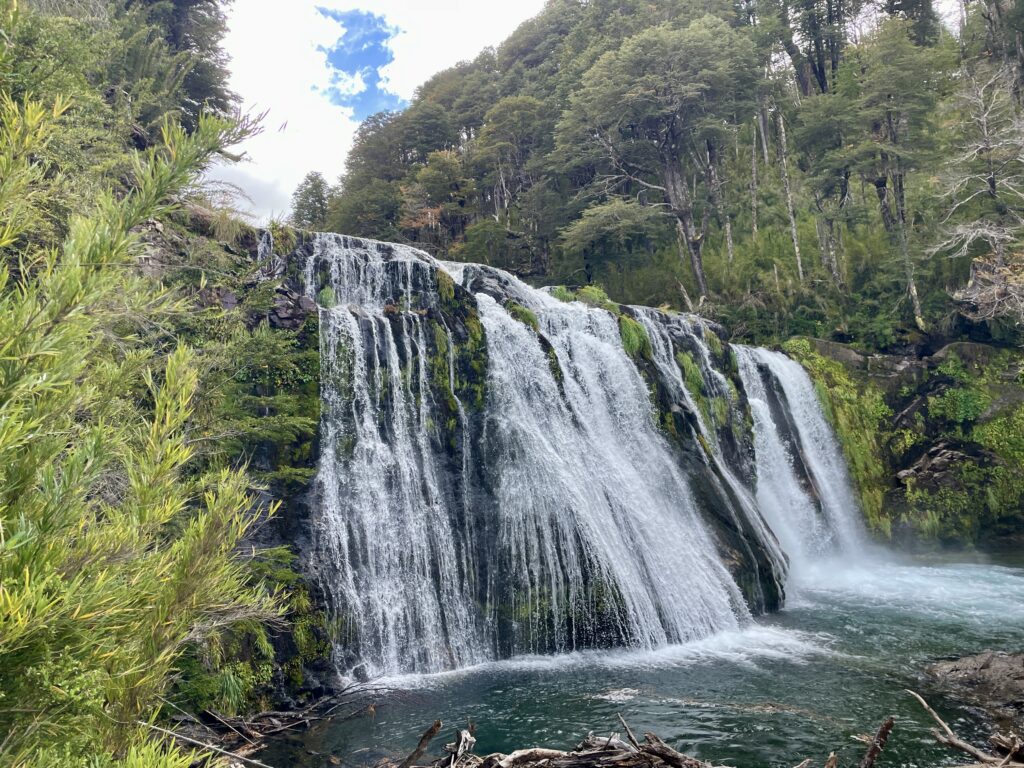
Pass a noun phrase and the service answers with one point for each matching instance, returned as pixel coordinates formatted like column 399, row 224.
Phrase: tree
column 514, row 128
column 899, row 84
column 827, row 126
column 657, row 112
column 195, row 28
column 813, row 34
column 309, row 202
column 984, row 179
column 367, row 210
column 376, row 152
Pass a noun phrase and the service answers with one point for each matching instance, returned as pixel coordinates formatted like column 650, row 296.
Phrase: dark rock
column 992, row 680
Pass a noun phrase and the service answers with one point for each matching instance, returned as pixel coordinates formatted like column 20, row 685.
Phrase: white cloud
column 439, row 33
column 277, row 67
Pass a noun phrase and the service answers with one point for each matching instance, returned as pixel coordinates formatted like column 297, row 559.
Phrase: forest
column 838, row 179
column 835, row 168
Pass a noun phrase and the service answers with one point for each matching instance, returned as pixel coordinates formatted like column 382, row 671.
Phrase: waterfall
column 803, row 488
column 595, row 515
column 499, row 476
column 385, row 528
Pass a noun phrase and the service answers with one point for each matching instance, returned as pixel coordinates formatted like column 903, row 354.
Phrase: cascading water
column 802, row 485
column 386, row 531
column 595, row 515
column 661, row 330
column 493, row 479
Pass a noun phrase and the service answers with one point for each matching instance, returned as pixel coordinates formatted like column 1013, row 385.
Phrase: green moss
column 285, row 237
column 719, row 408
column 445, row 288
column 635, row 340
column 326, row 297
column 562, row 293
column 595, row 296
column 440, row 376
column 523, row 315
column 714, row 343
column 858, row 413
column 553, row 364
column 691, row 373
column 1004, row 436
column 694, row 381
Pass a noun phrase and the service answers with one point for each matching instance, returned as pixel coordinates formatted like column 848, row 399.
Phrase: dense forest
column 834, row 168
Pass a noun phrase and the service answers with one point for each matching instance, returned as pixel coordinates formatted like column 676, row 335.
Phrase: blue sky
column 319, row 67
column 358, row 57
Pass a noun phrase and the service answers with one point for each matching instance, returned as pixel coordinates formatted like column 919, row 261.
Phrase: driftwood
column 216, row 734
column 209, row 747
column 1011, row 745
column 425, row 739
column 612, row 751
column 878, row 743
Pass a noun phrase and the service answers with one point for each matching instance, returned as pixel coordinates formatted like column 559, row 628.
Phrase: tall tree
column 656, row 113
column 309, row 202
column 984, row 177
column 899, row 83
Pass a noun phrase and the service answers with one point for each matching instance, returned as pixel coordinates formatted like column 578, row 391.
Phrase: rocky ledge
column 993, row 681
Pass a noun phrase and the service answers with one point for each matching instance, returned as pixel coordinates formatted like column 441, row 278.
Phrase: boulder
column 992, row 680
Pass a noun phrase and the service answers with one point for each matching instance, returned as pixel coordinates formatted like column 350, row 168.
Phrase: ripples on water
column 793, row 685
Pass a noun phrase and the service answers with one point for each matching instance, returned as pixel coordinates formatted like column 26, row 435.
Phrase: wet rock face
column 993, row 681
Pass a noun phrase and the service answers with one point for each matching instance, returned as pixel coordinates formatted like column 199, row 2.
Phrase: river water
column 799, row 683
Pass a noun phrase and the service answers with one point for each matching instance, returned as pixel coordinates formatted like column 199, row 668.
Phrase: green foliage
column 285, row 238
column 114, row 554
column 445, row 288
column 595, row 296
column 326, row 297
column 603, row 141
column 635, row 340
column 611, row 228
column 692, row 376
column 309, row 203
column 958, row 405
column 562, row 293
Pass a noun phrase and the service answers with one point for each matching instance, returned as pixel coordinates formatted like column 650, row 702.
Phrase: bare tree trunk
column 762, row 124
column 753, row 182
column 899, row 184
column 827, row 244
column 691, row 241
column 718, row 198
column 908, row 268
column 784, row 167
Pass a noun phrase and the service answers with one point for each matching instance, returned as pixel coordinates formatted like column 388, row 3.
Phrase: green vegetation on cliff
column 936, row 451
column 146, row 408
column 859, row 415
